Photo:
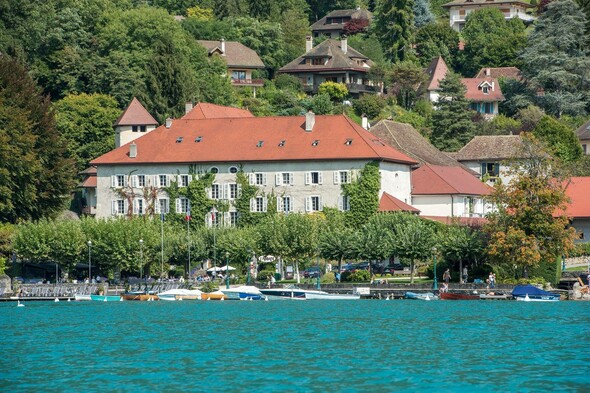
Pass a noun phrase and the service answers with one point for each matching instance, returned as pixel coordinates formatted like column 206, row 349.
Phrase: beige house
column 460, row 9
column 332, row 25
column 583, row 134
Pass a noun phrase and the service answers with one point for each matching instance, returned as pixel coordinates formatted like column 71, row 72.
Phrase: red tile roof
column 204, row 110
column 256, row 139
column 88, row 171
column 578, row 190
column 446, row 180
column 475, row 92
column 437, row 71
column 89, row 182
column 389, row 203
column 500, row 72
column 135, row 115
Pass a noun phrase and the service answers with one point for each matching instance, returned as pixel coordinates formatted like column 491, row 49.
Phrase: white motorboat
column 243, row 292
column 294, row 293
column 180, row 294
column 82, row 298
column 321, row 295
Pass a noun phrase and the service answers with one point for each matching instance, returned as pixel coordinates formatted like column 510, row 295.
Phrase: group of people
column 491, row 280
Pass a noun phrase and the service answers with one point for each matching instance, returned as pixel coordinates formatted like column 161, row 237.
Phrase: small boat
column 243, row 292
column 79, row 298
column 530, row 293
column 288, row 293
column 457, row 296
column 180, row 294
column 321, row 295
column 141, row 296
column 495, row 296
column 421, row 296
column 106, row 298
column 217, row 295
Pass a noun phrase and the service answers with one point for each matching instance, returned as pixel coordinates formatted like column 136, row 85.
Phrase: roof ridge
column 431, row 167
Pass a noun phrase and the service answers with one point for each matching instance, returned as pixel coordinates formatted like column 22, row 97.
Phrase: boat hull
column 283, row 294
column 421, row 296
column 244, row 292
column 457, row 296
column 536, row 298
column 180, row 294
column 106, row 298
column 330, row 296
column 213, row 296
column 139, row 297
column 80, row 298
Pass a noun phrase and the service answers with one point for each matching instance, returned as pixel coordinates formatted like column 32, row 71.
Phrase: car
column 312, row 272
column 390, row 269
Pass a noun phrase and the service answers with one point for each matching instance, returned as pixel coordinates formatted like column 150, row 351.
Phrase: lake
column 295, row 346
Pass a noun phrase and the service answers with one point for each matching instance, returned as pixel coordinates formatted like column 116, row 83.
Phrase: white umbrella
column 220, row 268
column 223, row 268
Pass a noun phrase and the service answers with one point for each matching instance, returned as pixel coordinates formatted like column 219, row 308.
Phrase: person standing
column 492, row 280
column 447, row 276
column 465, row 274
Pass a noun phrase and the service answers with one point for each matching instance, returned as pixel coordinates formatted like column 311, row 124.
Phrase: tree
column 459, row 244
column 36, row 176
column 556, row 59
column 404, row 79
column 560, row 140
column 363, row 194
column 452, row 127
column 336, row 91
column 529, row 228
column 86, row 121
column 437, row 39
column 393, row 27
column 491, row 40
column 422, row 13
column 370, row 105
column 356, row 26
column 413, row 240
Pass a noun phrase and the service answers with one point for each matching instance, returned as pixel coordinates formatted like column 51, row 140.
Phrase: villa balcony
column 248, row 82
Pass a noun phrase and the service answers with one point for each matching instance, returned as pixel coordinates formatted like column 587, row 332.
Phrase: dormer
column 134, row 122
column 486, row 87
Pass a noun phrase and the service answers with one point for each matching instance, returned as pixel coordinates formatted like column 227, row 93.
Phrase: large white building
column 300, row 160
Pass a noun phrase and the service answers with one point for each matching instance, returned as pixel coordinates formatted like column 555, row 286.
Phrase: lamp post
column 89, row 261
column 318, row 266
column 140, row 258
column 214, row 223
column 435, row 282
column 226, row 270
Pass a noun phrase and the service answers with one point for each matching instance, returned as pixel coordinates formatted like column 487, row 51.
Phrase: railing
column 247, row 82
column 360, row 88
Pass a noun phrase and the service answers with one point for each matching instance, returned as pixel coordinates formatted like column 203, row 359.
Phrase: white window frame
column 215, row 191
column 310, row 175
column 184, row 180
column 344, row 203
column 233, row 219
column 138, row 182
column 258, row 204
column 284, row 178
column 281, row 203
column 342, row 177
column 309, row 202
column 119, row 207
column 257, row 179
column 182, row 205
column 118, row 181
column 158, row 180
column 233, row 191
column 160, row 202
column 139, row 206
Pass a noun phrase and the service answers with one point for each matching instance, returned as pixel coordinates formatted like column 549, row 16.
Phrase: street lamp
column 226, row 270
column 89, row 261
column 435, row 282
column 318, row 265
column 140, row 258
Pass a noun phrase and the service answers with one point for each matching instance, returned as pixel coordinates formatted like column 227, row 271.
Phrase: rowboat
column 217, row 295
column 180, row 294
column 106, row 298
column 530, row 293
column 421, row 296
column 140, row 296
column 457, row 296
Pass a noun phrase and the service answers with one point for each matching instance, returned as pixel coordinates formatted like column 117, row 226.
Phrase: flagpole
column 162, row 233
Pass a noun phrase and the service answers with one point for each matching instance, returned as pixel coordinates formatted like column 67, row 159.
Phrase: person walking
column 492, row 280
column 447, row 276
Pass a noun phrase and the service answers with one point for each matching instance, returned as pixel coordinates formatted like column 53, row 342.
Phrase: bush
column 209, row 287
column 359, row 276
column 265, row 275
column 328, row 278
column 288, row 82
column 370, row 105
column 336, row 91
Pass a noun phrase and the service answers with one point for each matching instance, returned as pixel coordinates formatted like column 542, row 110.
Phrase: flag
column 188, row 214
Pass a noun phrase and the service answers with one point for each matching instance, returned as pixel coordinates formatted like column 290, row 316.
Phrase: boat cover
column 522, row 290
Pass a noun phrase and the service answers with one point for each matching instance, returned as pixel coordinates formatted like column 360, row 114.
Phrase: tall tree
column 452, row 126
column 422, row 13
column 405, row 79
column 556, row 59
column 36, row 176
column 560, row 140
column 394, row 21
column 491, row 40
column 437, row 39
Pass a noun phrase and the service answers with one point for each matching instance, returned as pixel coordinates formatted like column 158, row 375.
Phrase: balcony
column 247, row 82
column 356, row 88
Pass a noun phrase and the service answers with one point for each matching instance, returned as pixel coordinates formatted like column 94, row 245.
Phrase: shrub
column 328, row 278
column 360, row 275
column 369, row 104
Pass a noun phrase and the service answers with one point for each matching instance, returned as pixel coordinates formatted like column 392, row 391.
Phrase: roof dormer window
column 348, row 142
column 282, row 143
column 260, row 143
column 179, row 139
column 317, row 61
column 315, row 143
column 198, row 139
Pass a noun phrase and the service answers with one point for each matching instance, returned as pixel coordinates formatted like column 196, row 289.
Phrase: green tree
column 491, row 40
column 370, row 105
column 336, row 91
column 452, row 127
column 460, row 244
column 405, row 80
column 556, row 59
column 560, row 140
column 413, row 240
column 422, row 13
column 363, row 194
column 437, row 39
column 393, row 25
column 36, row 176
column 86, row 121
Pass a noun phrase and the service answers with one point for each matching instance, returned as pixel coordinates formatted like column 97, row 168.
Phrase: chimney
column 364, row 121
column 132, row 150
column 308, row 43
column 309, row 121
column 344, row 44
column 188, row 107
column 168, row 122
column 488, row 72
column 222, row 45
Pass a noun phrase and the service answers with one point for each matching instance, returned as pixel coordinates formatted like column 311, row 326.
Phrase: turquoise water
column 295, row 346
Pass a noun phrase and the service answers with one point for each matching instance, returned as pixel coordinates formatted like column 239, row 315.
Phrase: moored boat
column 217, row 295
column 180, row 294
column 291, row 293
column 495, row 296
column 106, row 298
column 243, row 292
column 530, row 293
column 421, row 296
column 457, row 296
column 321, row 295
column 79, row 298
column 139, row 296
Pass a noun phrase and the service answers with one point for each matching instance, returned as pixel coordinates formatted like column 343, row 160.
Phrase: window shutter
column 252, row 204
column 209, row 192
column 157, row 206
column 280, row 205
column 291, row 178
column 113, row 181
column 135, row 206
column 264, row 204
column 341, row 203
column 113, row 207
column 279, row 179
column 307, row 178
column 320, row 178
column 308, row 204
column 125, row 181
column 179, row 179
column 225, row 191
column 264, row 179
column 125, row 206
column 177, row 205
column 320, row 204
column 336, row 177
column 251, row 178
column 239, row 191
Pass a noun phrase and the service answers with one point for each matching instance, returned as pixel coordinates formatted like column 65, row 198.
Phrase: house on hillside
column 583, row 134
column 241, row 61
column 88, row 191
column 332, row 25
column 460, row 9
column 500, row 73
column 484, row 93
column 578, row 208
column 302, row 161
column 134, row 122
column 333, row 61
column 490, row 156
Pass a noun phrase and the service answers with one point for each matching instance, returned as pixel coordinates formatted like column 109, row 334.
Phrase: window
column 214, row 218
column 233, row 219
column 233, row 169
column 142, row 128
column 317, row 61
column 233, row 191
column 214, row 170
column 134, row 128
column 284, row 178
column 485, row 90
column 284, row 204
column 344, row 203
column 140, row 181
column 258, row 204
column 182, row 205
column 488, row 107
column 313, row 204
column 139, row 206
column 584, row 149
column 162, row 180
column 163, row 206
column 240, row 75
column 258, row 179
column 313, row 178
column 490, row 169
column 215, row 191
column 118, row 207
column 118, row 181
column 184, row 180
column 342, row 177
